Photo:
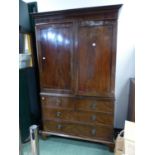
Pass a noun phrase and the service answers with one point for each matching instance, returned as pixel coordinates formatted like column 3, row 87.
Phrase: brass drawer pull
column 93, row 106
column 59, row 126
column 58, row 102
column 93, row 117
column 93, row 132
column 58, row 113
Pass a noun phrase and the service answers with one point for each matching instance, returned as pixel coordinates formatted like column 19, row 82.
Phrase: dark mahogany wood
column 77, row 59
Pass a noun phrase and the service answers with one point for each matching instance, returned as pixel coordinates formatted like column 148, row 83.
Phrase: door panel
column 94, row 58
column 55, row 47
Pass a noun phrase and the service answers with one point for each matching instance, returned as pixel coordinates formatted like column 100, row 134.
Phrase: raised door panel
column 94, row 58
column 55, row 53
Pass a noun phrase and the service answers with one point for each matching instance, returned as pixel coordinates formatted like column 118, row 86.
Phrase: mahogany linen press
column 76, row 52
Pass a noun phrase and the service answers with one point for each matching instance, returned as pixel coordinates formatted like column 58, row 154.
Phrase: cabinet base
column 111, row 147
column 110, row 144
column 43, row 136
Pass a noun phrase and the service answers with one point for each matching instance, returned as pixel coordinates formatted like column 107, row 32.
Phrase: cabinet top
column 78, row 11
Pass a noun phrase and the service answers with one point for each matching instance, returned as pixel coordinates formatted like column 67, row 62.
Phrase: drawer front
column 50, row 113
column 95, row 105
column 77, row 116
column 87, row 131
column 95, row 118
column 58, row 102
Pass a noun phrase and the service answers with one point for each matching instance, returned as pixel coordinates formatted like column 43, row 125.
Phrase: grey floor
column 64, row 146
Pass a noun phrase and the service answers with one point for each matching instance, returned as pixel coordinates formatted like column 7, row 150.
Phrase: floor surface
column 64, row 146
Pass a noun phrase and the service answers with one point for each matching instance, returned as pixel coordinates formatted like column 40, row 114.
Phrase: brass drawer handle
column 93, row 132
column 58, row 102
column 59, row 126
column 58, row 113
column 93, row 106
column 93, row 117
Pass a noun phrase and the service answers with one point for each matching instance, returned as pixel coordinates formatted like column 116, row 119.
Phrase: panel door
column 94, row 58
column 55, row 54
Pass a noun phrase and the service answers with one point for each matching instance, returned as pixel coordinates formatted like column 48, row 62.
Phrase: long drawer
column 80, row 116
column 77, row 129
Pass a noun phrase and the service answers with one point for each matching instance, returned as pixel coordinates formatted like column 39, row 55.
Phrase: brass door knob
column 43, row 98
column 44, row 58
column 93, row 44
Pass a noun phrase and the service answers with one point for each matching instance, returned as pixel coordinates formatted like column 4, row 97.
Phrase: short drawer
column 50, row 114
column 77, row 116
column 58, row 102
column 85, row 131
column 95, row 118
column 95, row 105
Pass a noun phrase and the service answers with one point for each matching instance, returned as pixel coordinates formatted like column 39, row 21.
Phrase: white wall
column 125, row 64
column 51, row 5
column 125, row 46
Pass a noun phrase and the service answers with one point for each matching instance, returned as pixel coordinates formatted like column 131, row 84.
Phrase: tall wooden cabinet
column 76, row 56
